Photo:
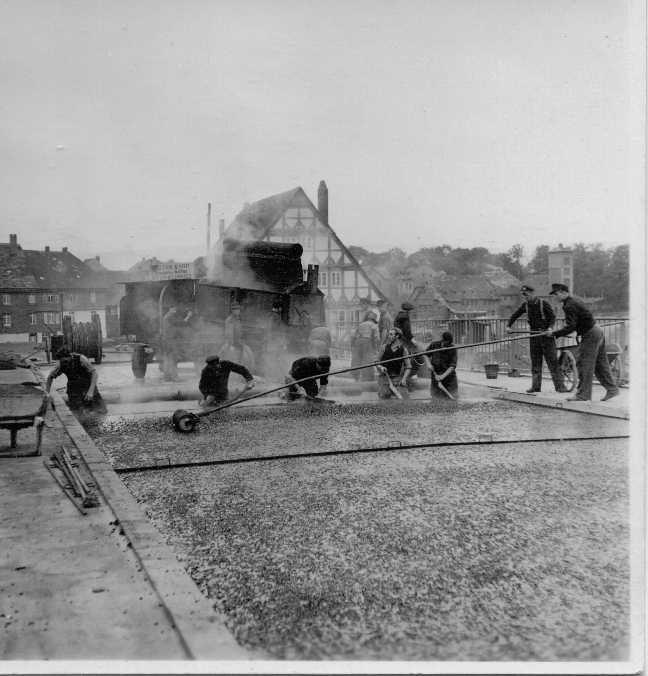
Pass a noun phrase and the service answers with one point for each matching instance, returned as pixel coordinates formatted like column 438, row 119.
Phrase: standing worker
column 385, row 320
column 234, row 348
column 275, row 349
column 319, row 345
column 365, row 344
column 403, row 322
column 395, row 373
column 214, row 379
column 443, row 368
column 171, row 329
column 81, row 376
column 591, row 356
column 540, row 317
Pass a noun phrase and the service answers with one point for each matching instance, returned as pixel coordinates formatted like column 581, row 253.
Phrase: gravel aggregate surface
column 506, row 552
column 303, row 427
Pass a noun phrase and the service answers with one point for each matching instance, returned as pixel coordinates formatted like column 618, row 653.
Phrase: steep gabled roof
column 255, row 219
column 59, row 270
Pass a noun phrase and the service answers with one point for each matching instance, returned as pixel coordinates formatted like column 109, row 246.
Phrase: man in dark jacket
column 305, row 367
column 395, row 373
column 540, row 317
column 591, row 357
column 214, row 379
column 81, row 376
column 402, row 321
column 443, row 367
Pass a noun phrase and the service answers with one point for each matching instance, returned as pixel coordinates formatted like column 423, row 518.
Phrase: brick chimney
column 64, row 249
column 47, row 249
column 13, row 243
column 98, row 259
column 322, row 201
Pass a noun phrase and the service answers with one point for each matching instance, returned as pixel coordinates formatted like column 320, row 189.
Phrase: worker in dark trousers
column 305, row 367
column 443, row 367
column 82, row 392
column 540, row 317
column 403, row 322
column 319, row 345
column 214, row 379
column 591, row 357
column 395, row 373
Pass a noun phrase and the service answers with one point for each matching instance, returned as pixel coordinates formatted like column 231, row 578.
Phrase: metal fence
column 514, row 353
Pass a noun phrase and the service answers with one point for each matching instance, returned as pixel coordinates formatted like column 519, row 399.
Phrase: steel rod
column 376, row 449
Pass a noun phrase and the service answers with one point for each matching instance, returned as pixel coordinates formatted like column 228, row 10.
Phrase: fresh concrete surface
column 100, row 586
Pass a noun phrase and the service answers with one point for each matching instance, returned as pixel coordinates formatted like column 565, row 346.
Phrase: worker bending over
column 306, row 367
column 395, row 373
column 214, row 379
column 82, row 392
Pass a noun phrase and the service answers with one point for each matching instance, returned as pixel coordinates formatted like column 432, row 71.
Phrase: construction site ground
column 106, row 585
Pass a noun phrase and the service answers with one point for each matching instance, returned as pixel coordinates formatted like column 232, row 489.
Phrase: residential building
column 38, row 288
column 292, row 217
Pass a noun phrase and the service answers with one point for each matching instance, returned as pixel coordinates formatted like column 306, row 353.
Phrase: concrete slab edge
column 201, row 630
column 589, row 407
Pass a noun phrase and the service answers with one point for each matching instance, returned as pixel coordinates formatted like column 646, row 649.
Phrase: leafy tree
column 540, row 261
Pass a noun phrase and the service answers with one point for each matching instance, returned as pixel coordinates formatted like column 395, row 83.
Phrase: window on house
column 322, row 279
column 6, row 299
column 93, row 296
column 356, row 315
column 50, row 298
column 566, row 260
column 69, row 313
column 6, row 320
column 33, row 318
column 31, row 299
column 335, row 279
column 341, row 316
column 51, row 317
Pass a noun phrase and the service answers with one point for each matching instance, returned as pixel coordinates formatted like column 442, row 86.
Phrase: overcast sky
column 469, row 123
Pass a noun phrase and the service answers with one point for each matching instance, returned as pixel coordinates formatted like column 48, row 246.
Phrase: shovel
column 442, row 386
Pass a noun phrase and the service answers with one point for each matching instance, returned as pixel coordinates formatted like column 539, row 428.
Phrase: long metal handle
column 200, row 414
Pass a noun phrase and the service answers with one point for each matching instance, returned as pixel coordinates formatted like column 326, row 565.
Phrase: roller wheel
column 185, row 421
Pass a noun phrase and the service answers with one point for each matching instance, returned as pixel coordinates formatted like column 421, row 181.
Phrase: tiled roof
column 28, row 269
column 14, row 272
column 255, row 219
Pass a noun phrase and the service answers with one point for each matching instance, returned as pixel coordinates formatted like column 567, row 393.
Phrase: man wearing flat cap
column 540, row 317
column 402, row 321
column 214, row 379
column 591, row 357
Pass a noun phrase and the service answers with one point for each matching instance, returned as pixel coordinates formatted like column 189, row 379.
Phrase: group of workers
column 382, row 347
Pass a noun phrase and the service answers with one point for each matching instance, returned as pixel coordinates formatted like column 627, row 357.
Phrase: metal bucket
column 491, row 371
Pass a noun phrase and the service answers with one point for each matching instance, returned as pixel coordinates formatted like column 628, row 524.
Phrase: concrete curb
column 201, row 631
column 579, row 407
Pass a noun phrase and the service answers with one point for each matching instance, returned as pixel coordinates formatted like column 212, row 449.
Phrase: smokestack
column 208, row 226
column 221, row 228
column 322, row 201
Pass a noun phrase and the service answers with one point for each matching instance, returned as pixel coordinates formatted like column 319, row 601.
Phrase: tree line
column 599, row 272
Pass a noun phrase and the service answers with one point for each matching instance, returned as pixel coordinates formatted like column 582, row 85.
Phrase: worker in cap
column 403, row 322
column 540, row 317
column 214, row 379
column 442, row 360
column 395, row 373
column 306, row 367
column 591, row 358
column 82, row 391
